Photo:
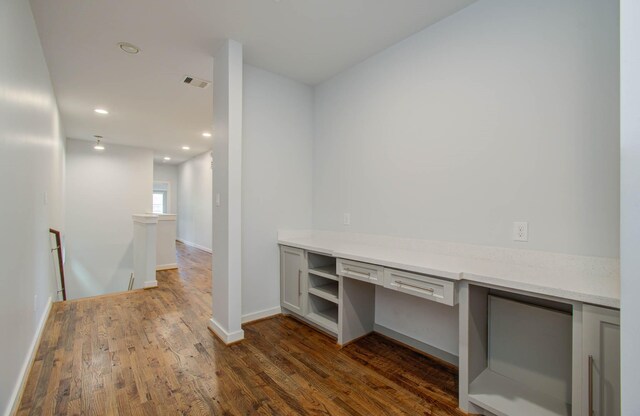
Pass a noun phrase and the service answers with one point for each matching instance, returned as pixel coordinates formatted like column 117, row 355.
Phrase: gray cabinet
column 292, row 278
column 361, row 271
column 601, row 361
column 427, row 287
column 337, row 295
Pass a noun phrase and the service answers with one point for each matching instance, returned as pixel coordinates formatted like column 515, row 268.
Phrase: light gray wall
column 630, row 205
column 276, row 178
column 432, row 323
column 195, row 200
column 32, row 183
column 476, row 122
column 103, row 190
column 506, row 111
column 168, row 173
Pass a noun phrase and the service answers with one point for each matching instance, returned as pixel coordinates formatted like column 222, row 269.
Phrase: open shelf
column 327, row 319
column 520, row 354
column 506, row 397
column 328, row 272
column 323, row 285
column 323, row 313
column 327, row 291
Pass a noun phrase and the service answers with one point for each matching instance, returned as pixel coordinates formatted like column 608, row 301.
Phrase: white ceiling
column 307, row 40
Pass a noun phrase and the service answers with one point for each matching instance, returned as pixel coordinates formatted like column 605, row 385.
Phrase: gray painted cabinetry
column 601, row 358
column 520, row 353
column 292, row 267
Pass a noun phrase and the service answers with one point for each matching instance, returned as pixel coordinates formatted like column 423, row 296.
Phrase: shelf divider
column 327, row 319
column 328, row 292
column 506, row 397
column 328, row 272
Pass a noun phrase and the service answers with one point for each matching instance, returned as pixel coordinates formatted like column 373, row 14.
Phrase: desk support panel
column 472, row 339
column 357, row 309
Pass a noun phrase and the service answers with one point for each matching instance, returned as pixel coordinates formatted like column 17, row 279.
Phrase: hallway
column 150, row 352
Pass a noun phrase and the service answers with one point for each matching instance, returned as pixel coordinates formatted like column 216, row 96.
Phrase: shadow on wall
column 96, row 274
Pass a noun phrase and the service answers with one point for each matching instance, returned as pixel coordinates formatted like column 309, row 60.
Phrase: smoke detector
column 98, row 146
column 196, row 82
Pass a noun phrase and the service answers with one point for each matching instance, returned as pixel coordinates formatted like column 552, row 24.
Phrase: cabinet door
column 601, row 358
column 292, row 261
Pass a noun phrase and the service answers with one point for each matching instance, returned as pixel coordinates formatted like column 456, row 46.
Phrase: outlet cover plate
column 521, row 231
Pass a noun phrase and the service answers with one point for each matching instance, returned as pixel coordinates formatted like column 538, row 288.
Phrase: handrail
column 58, row 247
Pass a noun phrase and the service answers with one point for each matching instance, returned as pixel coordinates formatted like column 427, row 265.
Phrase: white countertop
column 594, row 280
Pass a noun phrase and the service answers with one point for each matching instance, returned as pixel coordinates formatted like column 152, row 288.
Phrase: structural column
column 630, row 204
column 227, row 191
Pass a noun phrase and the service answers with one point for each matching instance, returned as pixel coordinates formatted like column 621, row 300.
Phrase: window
column 159, row 202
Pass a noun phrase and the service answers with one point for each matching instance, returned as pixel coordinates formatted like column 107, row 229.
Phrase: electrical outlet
column 346, row 219
column 520, row 231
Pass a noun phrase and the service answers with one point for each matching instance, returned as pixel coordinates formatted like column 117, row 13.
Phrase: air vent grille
column 196, row 82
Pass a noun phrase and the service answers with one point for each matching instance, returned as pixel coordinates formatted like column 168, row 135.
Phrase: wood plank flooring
column 150, row 353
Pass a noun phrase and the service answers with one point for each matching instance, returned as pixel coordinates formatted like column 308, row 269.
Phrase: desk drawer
column 360, row 271
column 427, row 287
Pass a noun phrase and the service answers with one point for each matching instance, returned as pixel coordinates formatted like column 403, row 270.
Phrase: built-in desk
column 567, row 304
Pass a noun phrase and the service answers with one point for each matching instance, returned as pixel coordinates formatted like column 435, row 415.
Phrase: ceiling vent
column 196, row 82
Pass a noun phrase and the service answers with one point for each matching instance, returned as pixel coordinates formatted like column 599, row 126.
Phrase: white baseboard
column 255, row 316
column 14, row 402
column 194, row 245
column 223, row 334
column 170, row 266
column 150, row 283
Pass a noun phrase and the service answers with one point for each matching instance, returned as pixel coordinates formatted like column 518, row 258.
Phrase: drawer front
column 360, row 271
column 427, row 287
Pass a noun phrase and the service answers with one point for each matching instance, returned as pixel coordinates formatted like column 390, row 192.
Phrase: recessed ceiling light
column 101, row 111
column 206, row 134
column 167, row 158
column 98, row 145
column 185, row 148
column 129, row 48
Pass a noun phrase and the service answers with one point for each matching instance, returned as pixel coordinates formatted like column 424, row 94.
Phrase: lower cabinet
column 530, row 355
column 337, row 295
column 309, row 287
column 601, row 360
column 292, row 268
column 520, row 354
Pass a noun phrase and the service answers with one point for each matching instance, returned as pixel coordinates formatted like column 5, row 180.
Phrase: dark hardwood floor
column 150, row 353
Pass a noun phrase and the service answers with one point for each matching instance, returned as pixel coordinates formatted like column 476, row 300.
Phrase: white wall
column 630, row 205
column 103, row 190
column 506, row 111
column 168, row 173
column 195, row 201
column 32, row 183
column 276, row 179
